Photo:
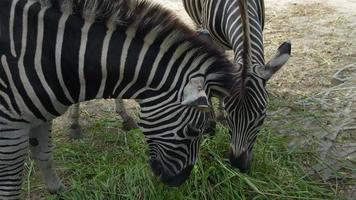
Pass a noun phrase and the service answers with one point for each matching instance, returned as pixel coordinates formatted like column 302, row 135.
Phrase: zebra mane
column 246, row 54
column 120, row 12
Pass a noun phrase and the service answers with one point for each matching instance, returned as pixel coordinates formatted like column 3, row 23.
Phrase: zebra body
column 58, row 53
column 222, row 19
column 238, row 25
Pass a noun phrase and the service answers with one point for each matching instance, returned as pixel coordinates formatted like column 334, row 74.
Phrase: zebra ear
column 194, row 94
column 281, row 58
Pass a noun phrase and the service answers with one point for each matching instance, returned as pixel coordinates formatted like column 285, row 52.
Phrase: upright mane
column 122, row 12
column 246, row 53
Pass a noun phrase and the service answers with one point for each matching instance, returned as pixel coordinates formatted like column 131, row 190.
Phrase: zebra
column 75, row 130
column 55, row 53
column 238, row 25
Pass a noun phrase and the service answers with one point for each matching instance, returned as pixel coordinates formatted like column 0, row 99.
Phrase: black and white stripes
column 238, row 25
column 57, row 53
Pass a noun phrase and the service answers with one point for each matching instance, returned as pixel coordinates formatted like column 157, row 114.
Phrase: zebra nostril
column 156, row 167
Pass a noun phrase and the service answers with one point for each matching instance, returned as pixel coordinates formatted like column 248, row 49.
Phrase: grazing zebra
column 75, row 130
column 55, row 53
column 238, row 25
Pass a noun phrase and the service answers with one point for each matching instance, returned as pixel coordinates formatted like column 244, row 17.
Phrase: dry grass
column 321, row 44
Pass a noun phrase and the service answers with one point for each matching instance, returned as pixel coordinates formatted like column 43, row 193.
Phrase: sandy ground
column 343, row 6
column 323, row 33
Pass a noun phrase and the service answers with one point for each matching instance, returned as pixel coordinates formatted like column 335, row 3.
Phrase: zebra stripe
column 139, row 64
column 58, row 57
column 124, row 54
column 82, row 49
column 11, row 29
column 38, row 63
column 20, row 102
column 42, row 111
column 104, row 57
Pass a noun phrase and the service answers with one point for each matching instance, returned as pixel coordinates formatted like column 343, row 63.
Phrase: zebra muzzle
column 156, row 167
column 167, row 178
column 242, row 161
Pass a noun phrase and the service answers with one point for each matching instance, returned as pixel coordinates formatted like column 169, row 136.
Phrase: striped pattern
column 58, row 53
column 238, row 25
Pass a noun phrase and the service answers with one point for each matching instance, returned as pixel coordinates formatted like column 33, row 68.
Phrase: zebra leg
column 129, row 123
column 41, row 149
column 75, row 131
column 13, row 152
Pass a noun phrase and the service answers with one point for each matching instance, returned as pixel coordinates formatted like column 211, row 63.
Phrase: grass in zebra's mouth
column 108, row 164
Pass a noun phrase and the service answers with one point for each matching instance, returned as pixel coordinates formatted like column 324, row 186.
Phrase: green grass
column 102, row 166
column 108, row 165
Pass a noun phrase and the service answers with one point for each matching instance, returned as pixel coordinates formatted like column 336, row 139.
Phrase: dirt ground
column 320, row 77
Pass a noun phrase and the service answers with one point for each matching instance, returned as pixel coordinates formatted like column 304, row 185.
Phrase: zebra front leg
column 75, row 131
column 128, row 122
column 13, row 152
column 41, row 149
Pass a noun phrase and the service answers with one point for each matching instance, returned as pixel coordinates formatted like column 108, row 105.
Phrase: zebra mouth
column 242, row 162
column 177, row 180
column 156, row 167
column 166, row 178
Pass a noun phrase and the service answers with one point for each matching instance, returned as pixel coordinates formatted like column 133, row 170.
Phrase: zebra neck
column 232, row 26
column 235, row 32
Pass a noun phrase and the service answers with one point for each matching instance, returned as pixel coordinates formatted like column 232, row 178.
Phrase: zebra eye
column 192, row 131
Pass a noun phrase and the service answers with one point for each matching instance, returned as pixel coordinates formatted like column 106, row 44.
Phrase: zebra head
column 173, row 150
column 172, row 130
column 173, row 123
column 247, row 106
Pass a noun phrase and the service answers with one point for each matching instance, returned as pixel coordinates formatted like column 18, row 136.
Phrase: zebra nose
column 156, row 167
column 242, row 162
column 178, row 179
column 167, row 178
